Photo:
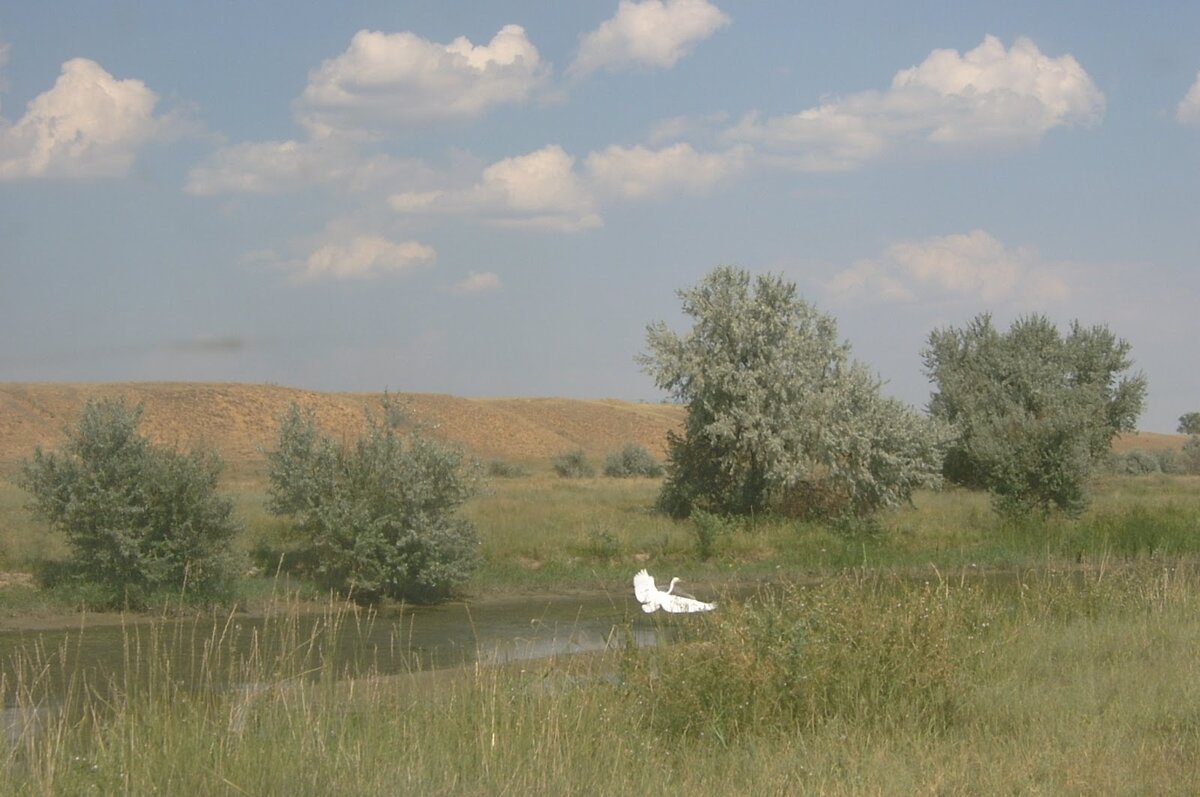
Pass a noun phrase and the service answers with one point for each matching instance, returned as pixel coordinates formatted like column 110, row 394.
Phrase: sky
column 492, row 198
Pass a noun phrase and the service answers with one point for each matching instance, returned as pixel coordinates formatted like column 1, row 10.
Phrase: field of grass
column 938, row 650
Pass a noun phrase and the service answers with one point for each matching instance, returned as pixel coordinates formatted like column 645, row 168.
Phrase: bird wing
column 677, row 604
column 643, row 587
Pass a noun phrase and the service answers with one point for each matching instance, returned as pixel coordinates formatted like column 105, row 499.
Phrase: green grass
column 1053, row 683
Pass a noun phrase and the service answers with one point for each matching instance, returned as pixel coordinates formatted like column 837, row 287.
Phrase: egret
column 652, row 598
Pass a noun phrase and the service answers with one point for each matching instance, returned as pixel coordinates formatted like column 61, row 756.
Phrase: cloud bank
column 653, row 33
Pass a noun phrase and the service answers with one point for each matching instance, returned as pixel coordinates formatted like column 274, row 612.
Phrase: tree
column 378, row 518
column 140, row 520
column 778, row 417
column 1032, row 411
column 1189, row 423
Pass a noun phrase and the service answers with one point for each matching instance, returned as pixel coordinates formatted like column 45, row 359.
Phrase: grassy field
column 938, row 650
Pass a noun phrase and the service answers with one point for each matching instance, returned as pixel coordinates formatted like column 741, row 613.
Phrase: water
column 352, row 642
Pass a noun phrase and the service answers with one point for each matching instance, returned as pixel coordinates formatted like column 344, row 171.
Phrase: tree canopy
column 1032, row 410
column 778, row 416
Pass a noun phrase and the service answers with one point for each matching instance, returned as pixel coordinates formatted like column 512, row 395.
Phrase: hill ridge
column 240, row 420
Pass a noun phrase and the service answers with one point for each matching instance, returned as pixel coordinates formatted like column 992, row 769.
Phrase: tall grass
column 1050, row 682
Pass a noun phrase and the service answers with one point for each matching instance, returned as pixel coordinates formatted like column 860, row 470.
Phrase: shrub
column 503, row 469
column 1138, row 462
column 632, row 460
column 863, row 651
column 141, row 521
column 376, row 518
column 574, row 465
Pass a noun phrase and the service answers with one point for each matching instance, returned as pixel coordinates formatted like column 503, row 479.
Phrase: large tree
column 779, row 418
column 1032, row 410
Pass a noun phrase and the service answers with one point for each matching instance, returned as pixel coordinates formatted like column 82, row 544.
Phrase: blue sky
column 495, row 198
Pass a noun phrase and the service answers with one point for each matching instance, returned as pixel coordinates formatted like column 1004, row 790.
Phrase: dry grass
column 240, row 420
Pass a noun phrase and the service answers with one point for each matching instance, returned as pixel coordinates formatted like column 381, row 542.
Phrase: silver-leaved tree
column 779, row 418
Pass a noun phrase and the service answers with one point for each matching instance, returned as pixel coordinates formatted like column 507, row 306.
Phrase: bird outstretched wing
column 643, row 587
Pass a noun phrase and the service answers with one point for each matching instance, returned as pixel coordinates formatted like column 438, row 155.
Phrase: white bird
column 652, row 598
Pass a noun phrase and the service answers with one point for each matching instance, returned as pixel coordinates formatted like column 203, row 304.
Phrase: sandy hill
column 239, row 420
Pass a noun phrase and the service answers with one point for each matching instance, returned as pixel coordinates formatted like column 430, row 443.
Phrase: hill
column 240, row 420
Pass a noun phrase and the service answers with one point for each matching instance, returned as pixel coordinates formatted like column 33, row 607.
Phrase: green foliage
column 1189, row 458
column 503, row 469
column 574, row 465
column 779, row 418
column 1033, row 411
column 377, row 518
column 632, row 460
column 855, row 650
column 1137, row 462
column 708, row 529
column 1189, row 423
column 140, row 520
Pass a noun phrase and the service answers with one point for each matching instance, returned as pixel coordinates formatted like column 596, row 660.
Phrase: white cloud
column 972, row 266
column 88, row 125
column 539, row 190
column 1188, row 112
column 389, row 80
column 478, row 282
column 654, row 33
column 639, row 172
column 274, row 166
column 364, row 257
column 987, row 96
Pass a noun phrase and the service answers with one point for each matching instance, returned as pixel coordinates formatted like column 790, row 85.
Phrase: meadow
column 936, row 650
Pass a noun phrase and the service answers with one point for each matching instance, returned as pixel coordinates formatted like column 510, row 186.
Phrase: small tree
column 1189, row 423
column 778, row 417
column 140, row 520
column 1033, row 411
column 574, row 465
column 377, row 517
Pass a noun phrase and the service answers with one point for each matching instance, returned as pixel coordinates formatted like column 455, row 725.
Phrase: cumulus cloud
column 1188, row 112
column 263, row 167
column 637, row 172
column 385, row 81
column 477, row 282
column 972, row 266
column 655, row 33
column 990, row 95
column 538, row 190
column 364, row 257
column 90, row 124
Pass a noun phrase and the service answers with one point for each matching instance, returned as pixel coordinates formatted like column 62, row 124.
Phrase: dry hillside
column 238, row 420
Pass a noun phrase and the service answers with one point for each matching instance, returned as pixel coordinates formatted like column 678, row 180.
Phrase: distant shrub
column 574, row 465
column 1189, row 458
column 376, row 518
column 708, row 528
column 1137, row 462
column 503, row 469
column 141, row 521
column 632, row 460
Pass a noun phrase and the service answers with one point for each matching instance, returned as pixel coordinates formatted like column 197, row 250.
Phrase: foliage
column 778, row 417
column 503, row 469
column 1137, row 462
column 1189, row 423
column 860, row 650
column 377, row 518
column 1189, row 458
column 1033, row 411
column 632, row 460
column 574, row 465
column 709, row 528
column 140, row 520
